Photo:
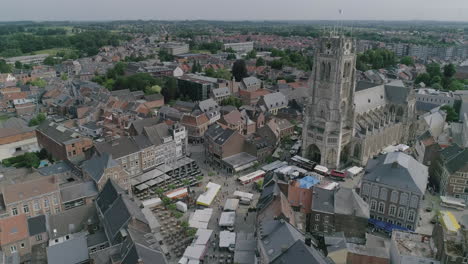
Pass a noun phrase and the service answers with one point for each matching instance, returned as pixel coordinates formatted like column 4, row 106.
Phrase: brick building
column 61, row 142
column 14, row 237
column 16, row 137
column 33, row 197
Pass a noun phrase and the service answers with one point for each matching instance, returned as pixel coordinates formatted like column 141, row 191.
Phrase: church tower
column 329, row 114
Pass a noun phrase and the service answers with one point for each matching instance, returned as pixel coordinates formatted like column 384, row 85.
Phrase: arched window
column 322, row 71
column 375, row 192
column 401, row 213
column 394, row 197
column 383, row 194
column 392, row 210
column 373, row 205
column 329, row 71
column 365, row 189
column 404, row 199
column 411, row 215
column 381, row 208
column 414, row 201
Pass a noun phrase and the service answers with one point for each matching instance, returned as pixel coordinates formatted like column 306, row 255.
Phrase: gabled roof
column 109, row 193
column 220, row 92
column 348, row 202
column 299, row 252
column 78, row 190
column 72, row 221
column 275, row 100
column 74, row 250
column 118, row 148
column 142, row 123
column 398, row 170
column 28, row 189
column 97, row 165
column 455, row 158
column 157, row 133
column 207, row 105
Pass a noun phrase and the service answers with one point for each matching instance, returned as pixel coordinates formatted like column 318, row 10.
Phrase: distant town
column 185, row 142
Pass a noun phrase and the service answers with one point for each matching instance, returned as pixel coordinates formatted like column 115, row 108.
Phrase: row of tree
column 440, row 78
column 375, row 59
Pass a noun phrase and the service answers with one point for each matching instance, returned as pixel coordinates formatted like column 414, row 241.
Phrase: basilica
column 349, row 122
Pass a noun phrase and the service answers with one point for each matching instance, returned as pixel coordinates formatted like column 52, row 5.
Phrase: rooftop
column 13, row 228
column 26, row 190
column 411, row 244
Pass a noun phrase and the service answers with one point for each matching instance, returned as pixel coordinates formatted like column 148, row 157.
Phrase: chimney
column 395, row 164
column 308, row 241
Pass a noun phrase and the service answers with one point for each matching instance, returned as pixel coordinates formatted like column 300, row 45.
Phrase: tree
column 239, row 70
column 436, row 79
column 231, row 56
column 407, row 60
column 18, row 65
column 4, row 67
column 31, row 160
column 452, row 115
column 437, row 86
column 456, row 85
column 155, row 89
column 449, row 70
column 252, row 54
column 260, row 62
column 169, row 90
column 50, row 60
column 276, row 64
column 64, row 77
column 231, row 100
column 433, row 69
column 33, row 122
column 41, row 117
column 165, row 56
column 423, row 78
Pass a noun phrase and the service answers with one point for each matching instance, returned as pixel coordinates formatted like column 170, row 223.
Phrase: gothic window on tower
column 329, row 71
column 322, row 71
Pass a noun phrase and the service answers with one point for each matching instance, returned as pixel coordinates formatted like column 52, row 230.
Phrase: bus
column 322, row 170
column 338, row 175
column 303, row 163
column 251, row 177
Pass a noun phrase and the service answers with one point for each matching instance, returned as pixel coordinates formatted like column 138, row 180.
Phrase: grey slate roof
column 323, row 201
column 397, row 92
column 72, row 221
column 455, row 158
column 250, row 81
column 157, row 133
column 37, row 225
column 118, row 148
column 275, row 100
column 58, row 132
column 348, row 202
column 208, row 105
column 96, row 165
column 73, row 251
column 96, row 238
column 140, row 124
column 398, row 170
column 59, row 167
column 220, row 92
column 109, row 193
column 285, row 244
column 77, row 191
column 299, row 252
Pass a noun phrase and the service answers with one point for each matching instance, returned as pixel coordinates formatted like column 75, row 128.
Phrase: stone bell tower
column 329, row 115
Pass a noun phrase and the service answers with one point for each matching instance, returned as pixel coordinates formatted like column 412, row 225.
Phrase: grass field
column 3, row 118
column 52, row 52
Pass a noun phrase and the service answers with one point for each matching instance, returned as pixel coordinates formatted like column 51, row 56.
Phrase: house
column 196, row 124
column 154, row 101
column 280, row 242
column 101, row 167
column 37, row 229
column 62, row 143
column 78, row 194
column 74, row 251
column 34, row 197
column 449, row 236
column 394, row 186
column 376, row 250
column 219, row 94
column 407, row 247
column 225, row 148
column 232, row 120
column 211, row 108
column 250, row 84
column 91, row 129
column 273, row 204
column 273, row 102
column 16, row 137
column 285, row 127
column 338, row 210
column 448, row 172
column 426, row 148
column 251, row 97
column 14, row 237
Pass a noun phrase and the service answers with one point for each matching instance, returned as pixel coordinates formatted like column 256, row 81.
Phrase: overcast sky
column 449, row 10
